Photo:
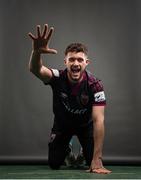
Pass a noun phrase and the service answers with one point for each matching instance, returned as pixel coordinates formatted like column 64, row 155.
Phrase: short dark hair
column 76, row 47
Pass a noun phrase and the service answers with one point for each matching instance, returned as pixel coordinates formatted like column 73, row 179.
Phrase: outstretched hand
column 41, row 42
column 97, row 167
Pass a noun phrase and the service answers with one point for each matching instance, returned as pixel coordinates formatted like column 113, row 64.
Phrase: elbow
column 32, row 70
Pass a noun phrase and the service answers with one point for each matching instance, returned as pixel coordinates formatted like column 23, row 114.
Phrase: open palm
column 41, row 42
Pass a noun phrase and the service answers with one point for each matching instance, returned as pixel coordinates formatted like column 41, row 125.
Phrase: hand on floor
column 101, row 170
column 97, row 167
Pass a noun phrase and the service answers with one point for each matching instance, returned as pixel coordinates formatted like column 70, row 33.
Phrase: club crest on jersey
column 84, row 98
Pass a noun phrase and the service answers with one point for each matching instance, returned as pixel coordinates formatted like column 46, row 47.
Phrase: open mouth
column 75, row 69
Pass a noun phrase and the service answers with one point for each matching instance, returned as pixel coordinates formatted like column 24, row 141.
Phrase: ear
column 88, row 61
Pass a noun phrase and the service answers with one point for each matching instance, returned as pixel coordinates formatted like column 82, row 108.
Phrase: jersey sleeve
column 55, row 76
column 99, row 98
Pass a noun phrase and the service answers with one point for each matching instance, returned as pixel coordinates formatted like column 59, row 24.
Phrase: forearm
column 98, row 137
column 35, row 62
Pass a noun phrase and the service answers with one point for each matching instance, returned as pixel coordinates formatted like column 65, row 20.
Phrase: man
column 78, row 102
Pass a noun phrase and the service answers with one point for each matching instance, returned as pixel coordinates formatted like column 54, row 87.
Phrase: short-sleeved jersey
column 72, row 103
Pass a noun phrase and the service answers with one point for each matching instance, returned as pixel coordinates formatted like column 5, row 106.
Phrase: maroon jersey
column 72, row 103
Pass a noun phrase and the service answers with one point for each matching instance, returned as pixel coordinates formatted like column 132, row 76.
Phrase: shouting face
column 76, row 63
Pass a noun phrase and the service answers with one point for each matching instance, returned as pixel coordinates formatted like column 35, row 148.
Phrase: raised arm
column 41, row 46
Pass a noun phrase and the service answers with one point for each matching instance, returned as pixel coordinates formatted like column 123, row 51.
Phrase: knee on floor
column 54, row 165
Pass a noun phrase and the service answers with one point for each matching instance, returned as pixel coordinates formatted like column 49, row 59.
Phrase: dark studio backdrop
column 112, row 31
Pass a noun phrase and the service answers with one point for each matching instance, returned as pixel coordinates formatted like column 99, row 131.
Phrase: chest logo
column 84, row 98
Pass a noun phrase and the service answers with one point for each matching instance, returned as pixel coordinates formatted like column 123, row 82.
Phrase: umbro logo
column 84, row 99
column 64, row 95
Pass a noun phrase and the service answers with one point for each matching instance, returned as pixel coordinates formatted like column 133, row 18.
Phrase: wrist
column 97, row 156
column 36, row 52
